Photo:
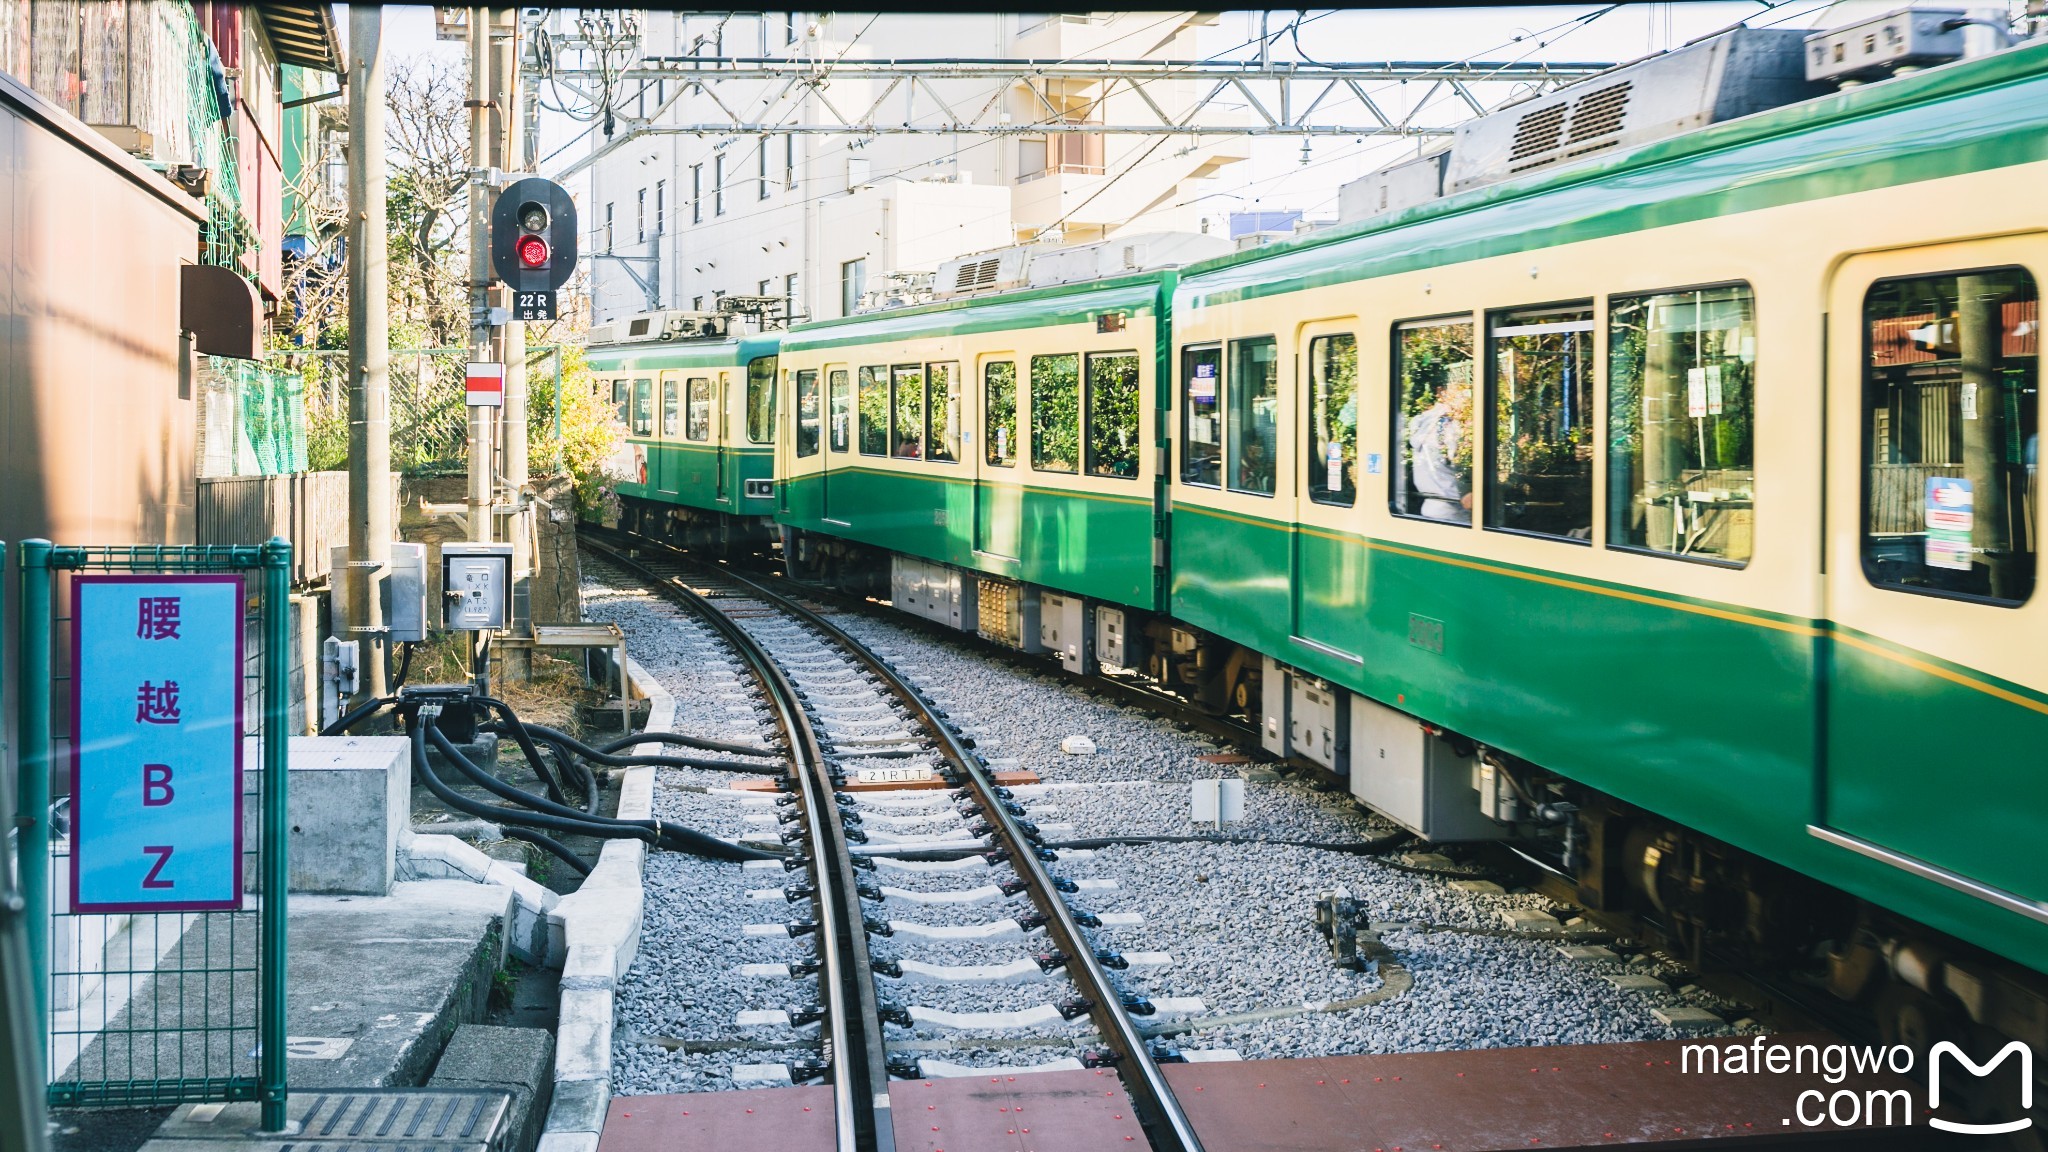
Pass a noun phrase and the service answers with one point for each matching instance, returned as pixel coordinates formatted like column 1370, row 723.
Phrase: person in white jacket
column 1433, row 437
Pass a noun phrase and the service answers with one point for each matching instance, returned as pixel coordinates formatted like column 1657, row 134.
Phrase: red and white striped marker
column 486, row 385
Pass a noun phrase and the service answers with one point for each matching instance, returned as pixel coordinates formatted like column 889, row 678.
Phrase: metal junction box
column 934, row 592
column 1414, row 778
column 476, row 586
column 1907, row 37
column 405, row 592
column 1304, row 717
column 1119, row 637
column 1063, row 628
column 1007, row 613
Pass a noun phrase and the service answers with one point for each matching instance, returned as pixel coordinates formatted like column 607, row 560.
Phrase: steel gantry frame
column 1276, row 98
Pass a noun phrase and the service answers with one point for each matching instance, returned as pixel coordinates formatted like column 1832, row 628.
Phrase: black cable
column 357, row 715
column 404, row 667
column 555, row 847
column 566, row 760
column 597, row 756
column 533, row 760
column 547, row 814
column 686, row 741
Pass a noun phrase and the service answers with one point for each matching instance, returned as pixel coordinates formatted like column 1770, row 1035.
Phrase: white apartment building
column 819, row 219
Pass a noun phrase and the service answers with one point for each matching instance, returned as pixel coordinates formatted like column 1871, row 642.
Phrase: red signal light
column 533, row 251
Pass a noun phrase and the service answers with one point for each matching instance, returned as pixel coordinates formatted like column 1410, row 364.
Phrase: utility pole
column 369, row 338
column 482, row 420
column 512, row 346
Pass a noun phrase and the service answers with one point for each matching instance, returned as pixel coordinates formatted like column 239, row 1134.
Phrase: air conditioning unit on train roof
column 1740, row 72
column 671, row 324
column 999, row 270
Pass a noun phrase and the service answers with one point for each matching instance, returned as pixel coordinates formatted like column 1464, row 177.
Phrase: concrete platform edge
column 595, row 934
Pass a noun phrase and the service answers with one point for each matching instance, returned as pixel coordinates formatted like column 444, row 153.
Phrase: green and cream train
column 1662, row 496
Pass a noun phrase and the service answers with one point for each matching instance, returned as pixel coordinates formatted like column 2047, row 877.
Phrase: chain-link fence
column 429, row 407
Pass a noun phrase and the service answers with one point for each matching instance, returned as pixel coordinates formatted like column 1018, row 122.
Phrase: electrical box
column 476, row 586
column 1007, row 613
column 1905, row 38
column 1063, row 629
column 1273, row 701
column 1318, row 724
column 933, row 591
column 405, row 592
column 1119, row 637
column 1414, row 777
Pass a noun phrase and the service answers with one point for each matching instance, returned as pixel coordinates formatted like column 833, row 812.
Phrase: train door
column 838, row 437
column 1327, row 574
column 998, row 498
column 723, row 438
column 1936, row 699
column 664, row 463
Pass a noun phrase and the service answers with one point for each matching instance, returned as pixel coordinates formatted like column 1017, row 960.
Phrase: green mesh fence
column 429, row 407
column 252, row 419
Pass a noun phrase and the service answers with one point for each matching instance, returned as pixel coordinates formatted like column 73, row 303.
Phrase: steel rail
column 1165, row 1122
column 860, row 1080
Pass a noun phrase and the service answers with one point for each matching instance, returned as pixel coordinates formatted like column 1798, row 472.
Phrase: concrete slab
column 519, row 1061
column 1479, row 887
column 1586, row 953
column 1636, row 982
column 1528, row 920
column 401, row 1120
column 350, row 797
column 1688, row 1021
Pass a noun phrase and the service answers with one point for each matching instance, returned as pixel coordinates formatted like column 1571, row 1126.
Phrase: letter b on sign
column 156, row 785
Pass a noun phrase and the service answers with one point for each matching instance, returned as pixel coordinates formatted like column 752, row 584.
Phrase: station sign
column 156, row 743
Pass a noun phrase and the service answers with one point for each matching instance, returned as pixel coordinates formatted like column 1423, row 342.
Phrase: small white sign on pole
column 486, row 385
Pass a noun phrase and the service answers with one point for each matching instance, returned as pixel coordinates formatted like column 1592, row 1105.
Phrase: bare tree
column 429, row 143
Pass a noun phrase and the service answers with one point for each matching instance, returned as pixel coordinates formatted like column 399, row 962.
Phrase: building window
column 696, row 193
column 853, row 283
column 942, row 411
column 789, row 298
column 1111, row 409
column 1433, row 429
column 640, row 218
column 1252, row 414
column 761, row 287
column 696, row 303
column 1680, row 423
column 807, row 422
column 842, row 412
column 1541, row 381
column 789, row 161
column 608, row 226
column 1056, row 413
column 761, row 167
column 1333, row 419
column 874, row 411
column 1951, row 397
column 1201, row 416
column 660, row 207
column 718, row 185
column 1030, row 157
column 999, row 413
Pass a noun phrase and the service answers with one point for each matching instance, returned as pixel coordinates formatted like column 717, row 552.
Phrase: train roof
column 684, row 353
column 1964, row 117
column 1137, row 294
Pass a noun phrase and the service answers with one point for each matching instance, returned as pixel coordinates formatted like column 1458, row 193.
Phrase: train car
column 694, row 400
column 1695, row 477
column 991, row 461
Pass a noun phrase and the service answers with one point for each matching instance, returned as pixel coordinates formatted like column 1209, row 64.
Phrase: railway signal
column 533, row 244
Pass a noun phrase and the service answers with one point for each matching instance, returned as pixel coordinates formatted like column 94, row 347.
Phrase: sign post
column 156, row 743
column 484, row 385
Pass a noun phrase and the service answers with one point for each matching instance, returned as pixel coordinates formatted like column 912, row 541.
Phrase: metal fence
column 429, row 405
column 310, row 509
column 157, row 1008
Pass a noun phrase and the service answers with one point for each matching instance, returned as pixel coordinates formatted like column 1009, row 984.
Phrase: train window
column 643, row 407
column 1252, row 409
column 941, row 405
column 842, row 411
column 622, row 393
column 999, row 413
column 1681, row 457
column 671, row 411
column 761, row 400
column 1332, row 466
column 697, row 409
column 807, row 412
column 1951, row 396
column 1433, row 428
column 1056, row 412
column 874, row 411
column 1541, row 378
column 1201, row 416
column 906, row 430
column 1112, row 412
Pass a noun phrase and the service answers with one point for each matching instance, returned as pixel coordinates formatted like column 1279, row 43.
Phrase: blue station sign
column 156, row 743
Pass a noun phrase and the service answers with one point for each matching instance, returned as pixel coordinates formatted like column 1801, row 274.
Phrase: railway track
column 836, row 727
